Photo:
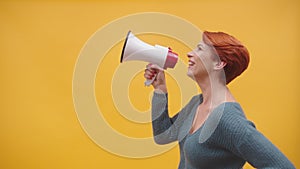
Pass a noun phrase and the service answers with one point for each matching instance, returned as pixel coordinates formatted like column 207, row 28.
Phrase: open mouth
column 191, row 63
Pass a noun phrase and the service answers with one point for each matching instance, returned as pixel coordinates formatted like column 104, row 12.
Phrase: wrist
column 161, row 89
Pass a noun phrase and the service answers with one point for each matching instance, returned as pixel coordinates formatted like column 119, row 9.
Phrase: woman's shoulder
column 233, row 123
column 226, row 124
column 234, row 114
column 233, row 118
column 226, row 119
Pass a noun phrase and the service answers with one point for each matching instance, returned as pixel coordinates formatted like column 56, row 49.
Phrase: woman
column 212, row 129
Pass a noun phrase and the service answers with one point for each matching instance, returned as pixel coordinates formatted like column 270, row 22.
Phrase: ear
column 220, row 65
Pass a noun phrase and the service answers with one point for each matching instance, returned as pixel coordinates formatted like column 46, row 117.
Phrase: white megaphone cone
column 135, row 49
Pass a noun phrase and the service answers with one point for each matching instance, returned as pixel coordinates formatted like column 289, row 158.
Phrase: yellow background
column 41, row 40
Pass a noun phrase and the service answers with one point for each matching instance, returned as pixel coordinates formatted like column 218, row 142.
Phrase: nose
column 190, row 54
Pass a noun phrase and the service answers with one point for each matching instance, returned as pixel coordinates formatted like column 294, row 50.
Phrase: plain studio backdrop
column 40, row 42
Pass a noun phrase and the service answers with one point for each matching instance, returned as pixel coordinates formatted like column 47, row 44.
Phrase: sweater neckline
column 193, row 114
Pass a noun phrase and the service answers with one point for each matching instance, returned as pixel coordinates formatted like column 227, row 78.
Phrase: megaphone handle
column 148, row 82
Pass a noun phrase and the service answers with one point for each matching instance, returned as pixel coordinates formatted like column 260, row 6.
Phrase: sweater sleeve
column 163, row 129
column 251, row 145
column 256, row 149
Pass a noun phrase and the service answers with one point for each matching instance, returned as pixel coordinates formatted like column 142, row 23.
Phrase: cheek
column 200, row 64
column 198, row 69
column 202, row 68
column 206, row 63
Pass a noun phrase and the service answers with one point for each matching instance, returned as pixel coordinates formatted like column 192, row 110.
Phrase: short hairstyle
column 231, row 51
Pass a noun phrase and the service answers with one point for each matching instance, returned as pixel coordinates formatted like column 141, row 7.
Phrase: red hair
column 230, row 50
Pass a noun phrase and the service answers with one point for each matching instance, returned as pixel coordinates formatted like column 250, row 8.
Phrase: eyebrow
column 200, row 45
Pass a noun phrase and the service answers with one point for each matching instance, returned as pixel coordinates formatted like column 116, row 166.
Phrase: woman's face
column 201, row 61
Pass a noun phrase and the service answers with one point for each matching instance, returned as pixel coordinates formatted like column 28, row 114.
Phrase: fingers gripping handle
column 155, row 68
column 148, row 82
column 170, row 62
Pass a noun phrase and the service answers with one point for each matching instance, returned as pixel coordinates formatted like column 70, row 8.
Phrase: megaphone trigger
column 148, row 82
column 154, row 69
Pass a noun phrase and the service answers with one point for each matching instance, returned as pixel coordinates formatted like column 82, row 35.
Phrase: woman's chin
column 190, row 74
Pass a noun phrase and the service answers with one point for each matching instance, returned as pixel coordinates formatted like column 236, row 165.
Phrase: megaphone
column 135, row 49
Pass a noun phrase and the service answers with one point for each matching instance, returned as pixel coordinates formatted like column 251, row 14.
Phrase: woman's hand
column 160, row 81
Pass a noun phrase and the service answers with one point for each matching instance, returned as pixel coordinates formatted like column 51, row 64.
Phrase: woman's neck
column 214, row 93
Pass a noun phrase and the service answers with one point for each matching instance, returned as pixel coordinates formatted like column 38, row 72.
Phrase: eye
column 199, row 47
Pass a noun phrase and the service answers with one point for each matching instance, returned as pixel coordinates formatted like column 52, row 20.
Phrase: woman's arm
column 163, row 129
column 261, row 153
column 167, row 129
column 247, row 142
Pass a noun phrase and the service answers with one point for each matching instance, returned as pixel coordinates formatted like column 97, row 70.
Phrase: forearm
column 161, row 122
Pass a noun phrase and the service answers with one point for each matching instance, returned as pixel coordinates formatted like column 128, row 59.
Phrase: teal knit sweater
column 225, row 141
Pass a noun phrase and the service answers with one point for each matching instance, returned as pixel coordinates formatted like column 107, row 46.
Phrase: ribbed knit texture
column 225, row 141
